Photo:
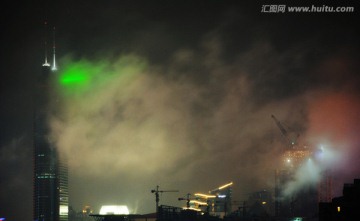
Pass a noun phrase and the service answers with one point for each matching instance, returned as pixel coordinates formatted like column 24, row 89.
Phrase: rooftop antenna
column 45, row 44
column 54, row 68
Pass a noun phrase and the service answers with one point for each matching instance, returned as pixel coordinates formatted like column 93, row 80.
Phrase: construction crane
column 187, row 200
column 289, row 144
column 157, row 198
column 194, row 201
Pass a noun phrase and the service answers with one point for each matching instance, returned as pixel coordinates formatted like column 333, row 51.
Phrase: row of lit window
column 46, row 177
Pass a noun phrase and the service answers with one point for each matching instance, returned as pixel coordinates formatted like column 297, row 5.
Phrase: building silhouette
column 50, row 178
column 346, row 207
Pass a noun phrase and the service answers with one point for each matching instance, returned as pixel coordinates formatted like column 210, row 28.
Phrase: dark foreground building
column 50, row 194
column 165, row 213
column 133, row 217
column 346, row 207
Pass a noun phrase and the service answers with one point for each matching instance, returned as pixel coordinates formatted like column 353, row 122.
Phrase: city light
column 198, row 202
column 191, row 208
column 114, row 210
column 206, row 196
column 64, row 210
column 226, row 185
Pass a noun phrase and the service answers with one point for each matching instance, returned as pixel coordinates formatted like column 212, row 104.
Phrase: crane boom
column 285, row 134
column 280, row 126
column 187, row 200
column 157, row 198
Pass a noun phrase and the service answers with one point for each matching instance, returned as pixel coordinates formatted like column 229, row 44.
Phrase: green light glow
column 83, row 76
column 77, row 73
column 74, row 78
column 79, row 77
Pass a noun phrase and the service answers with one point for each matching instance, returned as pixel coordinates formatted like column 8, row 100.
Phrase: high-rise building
column 291, row 201
column 303, row 201
column 221, row 204
column 50, row 196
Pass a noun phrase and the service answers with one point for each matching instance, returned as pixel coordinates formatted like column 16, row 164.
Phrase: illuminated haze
column 177, row 94
column 128, row 126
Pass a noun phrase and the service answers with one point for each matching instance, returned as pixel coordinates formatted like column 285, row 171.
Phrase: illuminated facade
column 50, row 193
column 221, row 205
column 114, row 210
column 294, row 157
column 303, row 202
column 216, row 203
column 63, row 190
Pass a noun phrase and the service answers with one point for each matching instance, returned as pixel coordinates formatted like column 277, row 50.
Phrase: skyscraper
column 50, row 198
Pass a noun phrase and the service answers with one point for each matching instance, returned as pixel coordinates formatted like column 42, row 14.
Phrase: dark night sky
column 215, row 72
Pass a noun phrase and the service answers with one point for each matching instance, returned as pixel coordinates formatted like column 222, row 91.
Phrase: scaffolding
column 325, row 188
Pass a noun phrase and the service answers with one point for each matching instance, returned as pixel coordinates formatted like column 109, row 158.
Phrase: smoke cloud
column 190, row 125
column 334, row 122
column 15, row 175
column 177, row 95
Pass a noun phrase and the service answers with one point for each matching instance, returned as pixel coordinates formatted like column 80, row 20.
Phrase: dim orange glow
column 295, row 157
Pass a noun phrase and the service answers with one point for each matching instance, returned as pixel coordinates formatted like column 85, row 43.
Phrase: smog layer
column 178, row 95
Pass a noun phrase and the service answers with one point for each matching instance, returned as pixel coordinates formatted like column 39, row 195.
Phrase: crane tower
column 157, row 197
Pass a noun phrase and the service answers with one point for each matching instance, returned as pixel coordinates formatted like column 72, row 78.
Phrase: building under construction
column 217, row 202
column 302, row 202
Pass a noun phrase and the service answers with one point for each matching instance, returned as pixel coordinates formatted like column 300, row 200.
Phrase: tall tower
column 50, row 197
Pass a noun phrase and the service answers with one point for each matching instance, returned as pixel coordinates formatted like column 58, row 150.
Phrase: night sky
column 179, row 95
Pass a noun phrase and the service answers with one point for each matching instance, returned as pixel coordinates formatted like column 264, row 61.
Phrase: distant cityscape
column 51, row 195
column 217, row 205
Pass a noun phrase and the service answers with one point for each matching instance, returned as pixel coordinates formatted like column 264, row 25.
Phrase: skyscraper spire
column 54, row 68
column 50, row 172
column 45, row 44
